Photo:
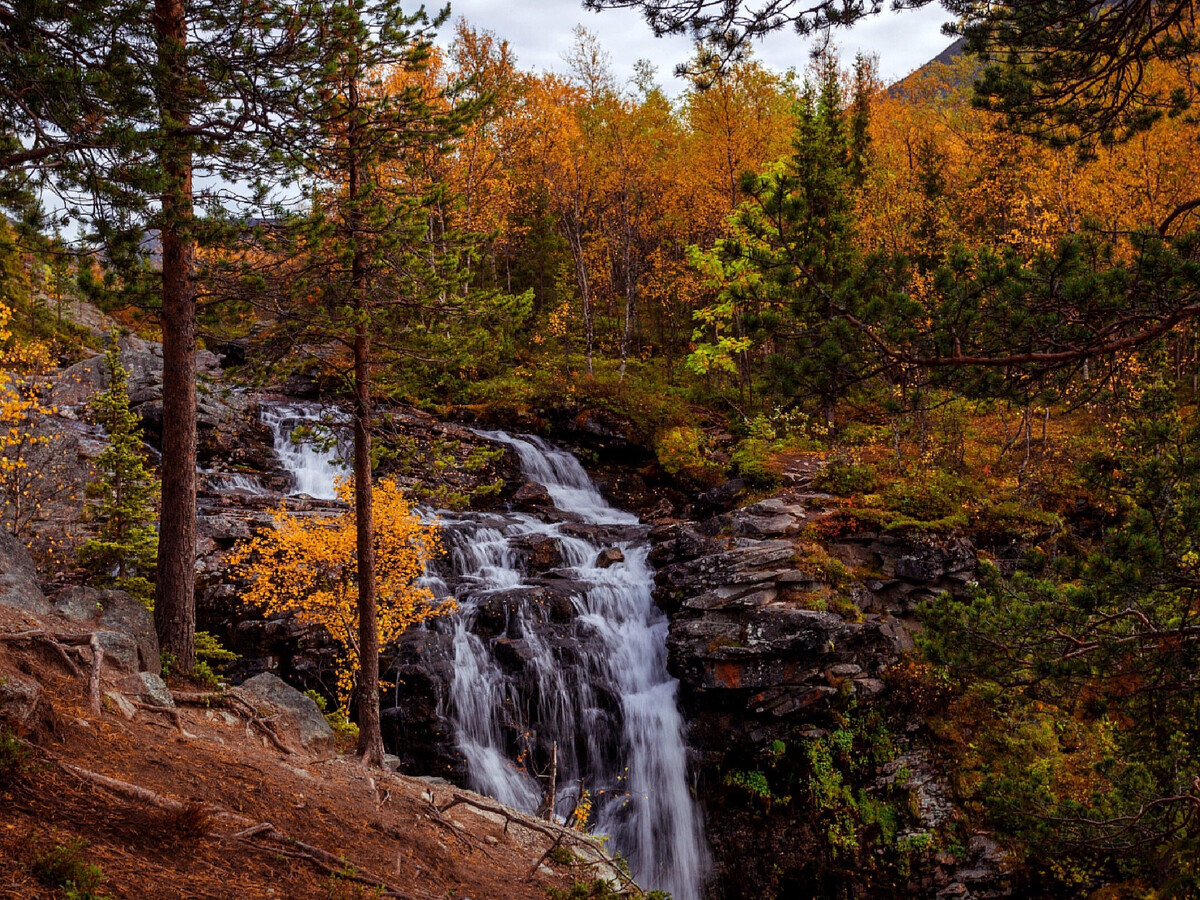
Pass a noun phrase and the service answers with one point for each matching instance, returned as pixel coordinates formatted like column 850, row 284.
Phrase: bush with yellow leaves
column 307, row 566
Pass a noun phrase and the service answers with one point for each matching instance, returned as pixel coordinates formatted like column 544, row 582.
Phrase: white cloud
column 540, row 31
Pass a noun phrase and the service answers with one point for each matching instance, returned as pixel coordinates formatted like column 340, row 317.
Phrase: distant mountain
column 948, row 57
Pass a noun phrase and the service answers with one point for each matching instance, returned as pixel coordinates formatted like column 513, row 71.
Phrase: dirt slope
column 383, row 826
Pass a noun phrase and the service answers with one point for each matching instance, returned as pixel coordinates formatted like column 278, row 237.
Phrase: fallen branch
column 558, row 833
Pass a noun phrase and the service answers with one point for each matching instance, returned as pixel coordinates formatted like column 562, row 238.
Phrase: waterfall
column 594, row 681
column 606, row 700
column 317, row 465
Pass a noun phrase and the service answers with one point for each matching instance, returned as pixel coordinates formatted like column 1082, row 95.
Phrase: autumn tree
column 308, row 567
column 30, row 452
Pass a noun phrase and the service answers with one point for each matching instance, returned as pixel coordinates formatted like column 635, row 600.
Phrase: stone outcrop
column 125, row 624
column 774, row 628
column 19, row 587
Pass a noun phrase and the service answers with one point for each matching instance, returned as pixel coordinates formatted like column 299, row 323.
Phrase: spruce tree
column 123, row 494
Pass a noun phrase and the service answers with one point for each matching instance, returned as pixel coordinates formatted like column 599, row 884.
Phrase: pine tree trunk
column 370, row 736
column 174, row 607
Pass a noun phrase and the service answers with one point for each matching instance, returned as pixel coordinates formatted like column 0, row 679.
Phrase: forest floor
column 384, row 826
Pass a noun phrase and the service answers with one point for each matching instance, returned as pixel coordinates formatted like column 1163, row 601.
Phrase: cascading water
column 606, row 699
column 316, row 465
column 600, row 691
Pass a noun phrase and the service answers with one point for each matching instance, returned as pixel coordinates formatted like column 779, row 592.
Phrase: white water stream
column 602, row 695
column 315, row 465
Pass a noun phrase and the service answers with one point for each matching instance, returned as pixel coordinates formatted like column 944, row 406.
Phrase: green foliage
column 63, row 866
column 928, row 498
column 684, row 453
column 562, row 856
column 123, row 550
column 753, row 455
column 345, row 732
column 757, row 785
column 211, row 659
column 433, row 469
column 1011, row 518
column 1075, row 662
column 845, row 478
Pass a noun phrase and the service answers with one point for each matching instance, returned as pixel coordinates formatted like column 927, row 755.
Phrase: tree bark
column 370, row 736
column 174, row 607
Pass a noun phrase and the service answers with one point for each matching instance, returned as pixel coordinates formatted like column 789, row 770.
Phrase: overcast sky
column 540, row 32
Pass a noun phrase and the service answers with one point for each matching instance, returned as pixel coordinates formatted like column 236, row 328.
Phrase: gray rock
column 122, row 704
column 79, row 604
column 114, row 611
column 155, row 691
column 764, row 526
column 298, row 713
column 20, row 699
column 120, row 650
column 19, row 587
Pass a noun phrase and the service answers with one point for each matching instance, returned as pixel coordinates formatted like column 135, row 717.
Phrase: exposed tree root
column 252, row 833
column 237, row 704
column 56, row 642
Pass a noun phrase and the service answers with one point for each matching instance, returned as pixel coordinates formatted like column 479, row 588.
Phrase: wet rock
column 532, row 495
column 604, row 533
column 300, row 716
column 542, row 551
column 609, row 556
column 513, row 654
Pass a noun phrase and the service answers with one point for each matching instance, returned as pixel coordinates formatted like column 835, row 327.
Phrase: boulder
column 154, row 691
column 121, row 704
column 542, row 551
column 764, row 526
column 19, row 586
column 20, row 700
column 114, row 611
column 299, row 715
column 609, row 556
column 532, row 495
column 120, row 650
column 724, row 495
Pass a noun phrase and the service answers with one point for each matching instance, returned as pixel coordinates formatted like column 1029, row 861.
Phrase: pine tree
column 123, row 495
column 365, row 266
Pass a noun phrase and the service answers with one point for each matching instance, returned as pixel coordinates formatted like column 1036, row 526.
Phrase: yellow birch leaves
column 307, row 566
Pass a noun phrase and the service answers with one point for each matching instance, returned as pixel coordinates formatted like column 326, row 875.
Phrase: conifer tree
column 123, row 494
column 363, row 267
